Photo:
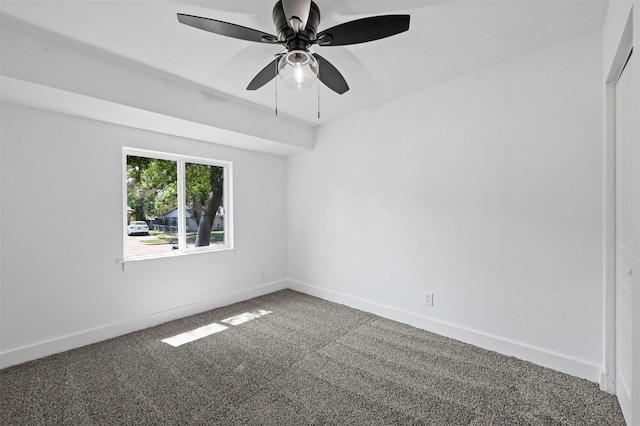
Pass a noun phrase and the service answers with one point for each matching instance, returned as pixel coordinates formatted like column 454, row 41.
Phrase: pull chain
column 276, row 79
column 318, row 83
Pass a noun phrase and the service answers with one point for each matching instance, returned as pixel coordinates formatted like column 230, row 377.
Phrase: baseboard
column 86, row 337
column 498, row 344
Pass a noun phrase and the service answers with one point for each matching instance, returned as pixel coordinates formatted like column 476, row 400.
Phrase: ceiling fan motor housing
column 302, row 39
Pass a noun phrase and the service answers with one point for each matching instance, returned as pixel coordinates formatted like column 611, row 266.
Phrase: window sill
column 131, row 263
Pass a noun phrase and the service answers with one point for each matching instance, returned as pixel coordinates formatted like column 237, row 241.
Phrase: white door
column 626, row 198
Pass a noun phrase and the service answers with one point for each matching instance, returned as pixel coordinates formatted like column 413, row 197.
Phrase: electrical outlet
column 428, row 298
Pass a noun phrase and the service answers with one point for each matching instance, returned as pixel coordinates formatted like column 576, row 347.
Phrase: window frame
column 181, row 160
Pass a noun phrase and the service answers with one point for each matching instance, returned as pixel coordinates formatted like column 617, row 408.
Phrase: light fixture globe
column 298, row 70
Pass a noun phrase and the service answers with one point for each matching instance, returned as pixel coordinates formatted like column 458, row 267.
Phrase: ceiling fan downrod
column 292, row 33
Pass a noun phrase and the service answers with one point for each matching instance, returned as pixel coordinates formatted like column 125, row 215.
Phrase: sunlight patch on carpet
column 196, row 334
column 246, row 317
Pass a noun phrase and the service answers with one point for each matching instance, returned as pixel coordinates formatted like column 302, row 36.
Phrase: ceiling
column 446, row 39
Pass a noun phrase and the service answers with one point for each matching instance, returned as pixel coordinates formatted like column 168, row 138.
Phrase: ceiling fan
column 296, row 24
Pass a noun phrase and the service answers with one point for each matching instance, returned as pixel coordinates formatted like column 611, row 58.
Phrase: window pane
column 204, row 191
column 152, row 210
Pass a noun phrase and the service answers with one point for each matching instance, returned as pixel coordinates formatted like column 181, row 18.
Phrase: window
column 175, row 204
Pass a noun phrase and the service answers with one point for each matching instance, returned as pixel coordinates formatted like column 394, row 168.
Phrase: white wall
column 61, row 187
column 486, row 191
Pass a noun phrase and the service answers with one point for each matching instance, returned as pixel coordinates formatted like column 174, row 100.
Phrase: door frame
column 628, row 39
column 608, row 379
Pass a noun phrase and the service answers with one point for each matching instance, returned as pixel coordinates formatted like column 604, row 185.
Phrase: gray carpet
column 308, row 362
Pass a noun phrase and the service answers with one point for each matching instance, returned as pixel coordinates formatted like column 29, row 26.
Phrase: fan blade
column 364, row 30
column 330, row 76
column 296, row 9
column 266, row 75
column 226, row 28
